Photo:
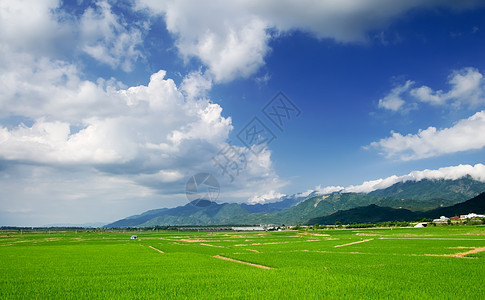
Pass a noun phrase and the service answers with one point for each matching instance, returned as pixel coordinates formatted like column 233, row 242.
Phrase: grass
column 392, row 264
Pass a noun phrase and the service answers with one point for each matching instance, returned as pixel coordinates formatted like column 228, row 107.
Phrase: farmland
column 404, row 263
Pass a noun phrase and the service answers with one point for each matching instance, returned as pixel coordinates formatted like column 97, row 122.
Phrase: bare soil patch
column 253, row 250
column 313, row 234
column 353, row 243
column 461, row 254
column 210, row 245
column 366, row 234
column 156, row 249
column 192, row 241
column 243, row 262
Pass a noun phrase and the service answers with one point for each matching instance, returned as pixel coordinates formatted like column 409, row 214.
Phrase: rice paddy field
column 406, row 263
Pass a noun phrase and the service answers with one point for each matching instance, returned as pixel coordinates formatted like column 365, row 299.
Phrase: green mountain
column 476, row 205
column 423, row 195
column 320, row 206
column 375, row 214
column 365, row 214
column 197, row 212
column 434, row 192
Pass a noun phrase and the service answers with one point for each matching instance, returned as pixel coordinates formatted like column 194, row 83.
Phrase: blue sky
column 107, row 108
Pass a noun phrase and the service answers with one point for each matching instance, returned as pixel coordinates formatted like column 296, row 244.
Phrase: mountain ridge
column 423, row 195
column 375, row 214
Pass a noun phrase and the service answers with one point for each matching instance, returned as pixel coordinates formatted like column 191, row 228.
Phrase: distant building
column 255, row 228
column 421, row 225
column 441, row 219
column 248, row 228
column 471, row 216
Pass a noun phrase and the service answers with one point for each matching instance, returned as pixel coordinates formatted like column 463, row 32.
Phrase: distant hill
column 435, row 192
column 136, row 220
column 476, row 205
column 375, row 214
column 197, row 212
column 422, row 195
column 321, row 206
column 285, row 202
column 366, row 214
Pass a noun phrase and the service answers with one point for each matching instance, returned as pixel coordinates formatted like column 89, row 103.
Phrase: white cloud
column 145, row 120
column 138, row 144
column 477, row 172
column 393, row 101
column 108, row 39
column 268, row 197
column 467, row 87
column 467, row 134
column 152, row 139
column 196, row 85
column 46, row 29
column 31, row 25
column 328, row 189
column 40, row 195
column 231, row 37
column 321, row 190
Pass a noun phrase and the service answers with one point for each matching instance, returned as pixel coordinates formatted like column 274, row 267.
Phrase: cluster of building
column 455, row 218
column 461, row 217
column 269, row 227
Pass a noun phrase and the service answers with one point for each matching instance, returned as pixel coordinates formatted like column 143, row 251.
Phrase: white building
column 421, row 225
column 441, row 219
column 264, row 227
column 248, row 228
column 471, row 216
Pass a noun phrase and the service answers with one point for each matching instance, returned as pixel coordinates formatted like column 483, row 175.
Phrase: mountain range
column 401, row 200
column 375, row 214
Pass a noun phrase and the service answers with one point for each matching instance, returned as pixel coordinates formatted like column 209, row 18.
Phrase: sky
column 109, row 108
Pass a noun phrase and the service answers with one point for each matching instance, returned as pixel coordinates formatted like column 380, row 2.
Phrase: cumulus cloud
column 148, row 119
column 393, row 101
column 136, row 143
column 108, row 39
column 30, row 25
column 152, row 139
column 231, row 37
column 196, row 85
column 46, row 29
column 467, row 88
column 477, row 172
column 467, row 134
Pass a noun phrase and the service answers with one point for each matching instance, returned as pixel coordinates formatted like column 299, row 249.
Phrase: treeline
column 33, row 229
column 356, row 225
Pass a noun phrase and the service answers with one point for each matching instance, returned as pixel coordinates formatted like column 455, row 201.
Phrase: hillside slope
column 423, row 195
column 375, row 214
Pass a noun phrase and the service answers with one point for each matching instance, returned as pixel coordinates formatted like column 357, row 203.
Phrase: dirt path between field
column 210, row 245
column 253, row 250
column 192, row 241
column 243, row 262
column 313, row 234
column 353, row 243
column 462, row 254
column 156, row 249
